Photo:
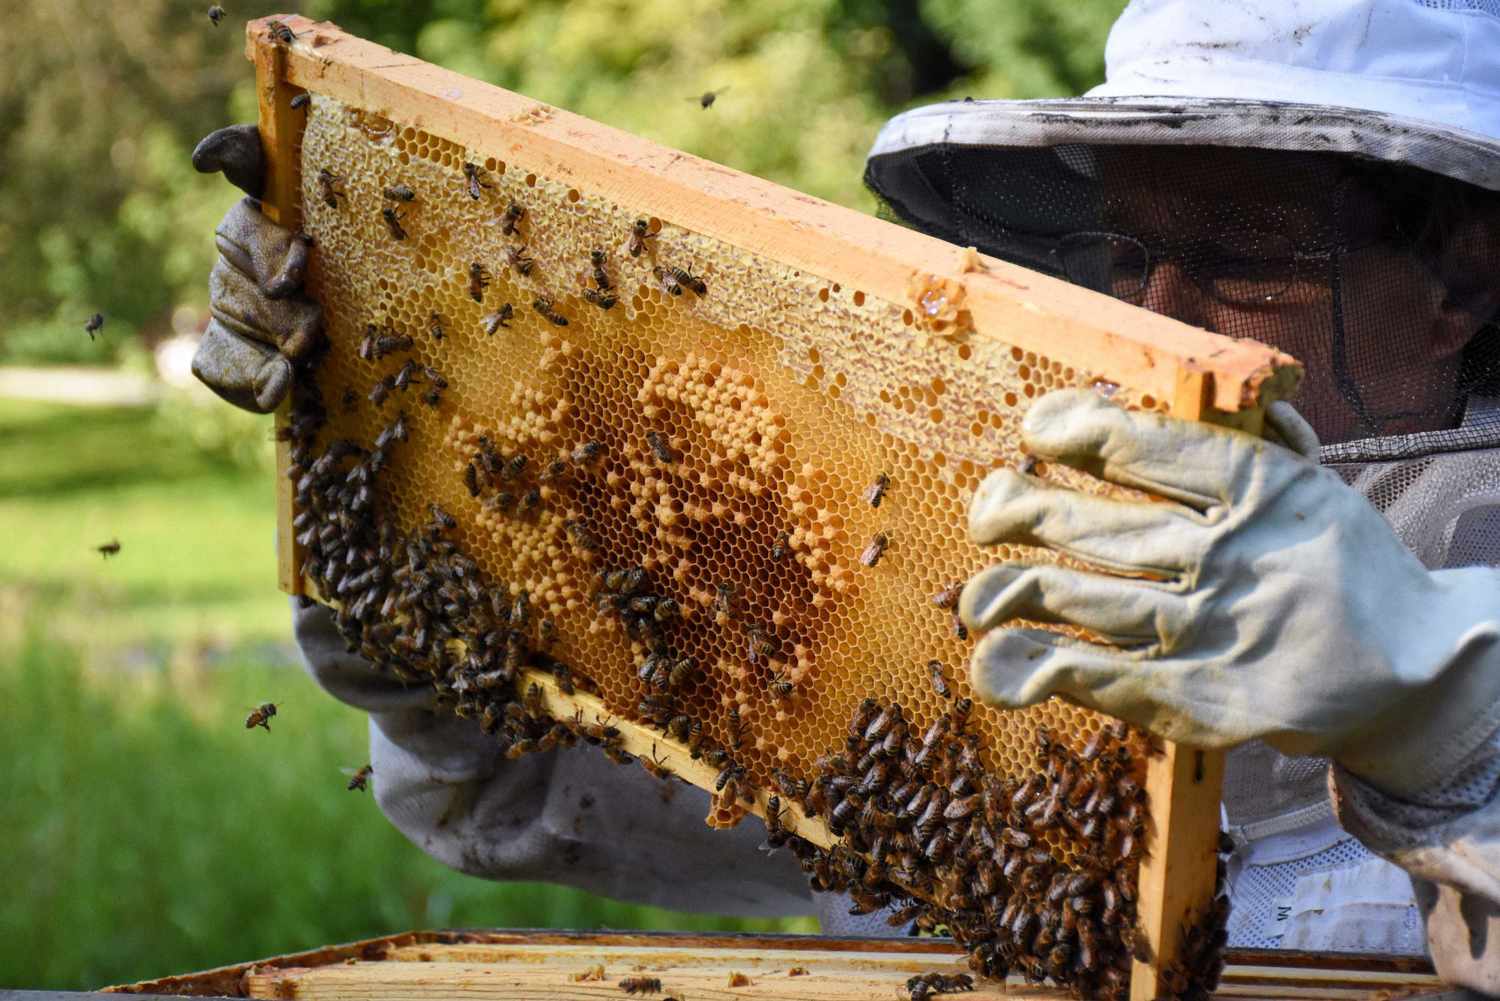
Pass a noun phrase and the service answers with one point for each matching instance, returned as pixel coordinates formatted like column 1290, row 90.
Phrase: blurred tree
column 100, row 105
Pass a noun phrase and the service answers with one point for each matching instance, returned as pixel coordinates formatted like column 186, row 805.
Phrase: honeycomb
column 739, row 435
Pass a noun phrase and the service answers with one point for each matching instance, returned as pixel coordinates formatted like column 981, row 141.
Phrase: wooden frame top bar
column 1150, row 353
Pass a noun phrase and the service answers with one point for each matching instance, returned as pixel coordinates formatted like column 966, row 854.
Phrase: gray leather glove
column 261, row 327
column 1267, row 599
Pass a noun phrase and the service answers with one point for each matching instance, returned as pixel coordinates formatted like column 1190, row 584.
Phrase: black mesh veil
column 1384, row 280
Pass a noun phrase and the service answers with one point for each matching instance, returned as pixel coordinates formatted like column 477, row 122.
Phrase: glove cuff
column 1430, row 731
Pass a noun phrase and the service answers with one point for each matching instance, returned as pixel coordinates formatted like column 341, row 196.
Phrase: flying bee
column 544, row 306
column 601, row 277
column 360, row 779
column 479, row 278
column 687, row 279
column 519, row 261
column 939, row 682
column 93, row 324
column 393, row 222
column 328, row 186
column 874, row 550
column 667, row 281
column 876, row 493
column 215, row 15
column 109, row 548
column 497, row 320
column 261, row 717
column 660, row 447
column 641, row 985
column 639, row 234
column 708, row 97
column 514, row 212
column 400, row 193
column 474, row 180
column 604, row 300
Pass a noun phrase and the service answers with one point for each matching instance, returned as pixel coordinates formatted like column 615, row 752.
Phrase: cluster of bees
column 672, row 279
column 931, row 837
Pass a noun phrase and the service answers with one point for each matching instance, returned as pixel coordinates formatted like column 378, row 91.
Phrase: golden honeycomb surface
column 779, row 397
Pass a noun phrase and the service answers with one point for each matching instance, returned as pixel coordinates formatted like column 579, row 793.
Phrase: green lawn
column 146, row 831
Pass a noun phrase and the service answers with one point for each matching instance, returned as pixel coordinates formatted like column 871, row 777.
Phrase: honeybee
column 688, row 279
column 641, row 985
column 874, row 550
column 435, row 327
column 393, row 222
column 587, row 453
column 282, row 33
column 359, row 780
column 761, row 643
column 215, row 15
column 595, row 972
column 261, row 717
column 947, row 598
column 639, row 234
column 328, row 186
column 497, row 320
column 474, row 180
column 110, row 548
column 667, row 281
column 708, row 97
column 514, row 212
column 781, row 686
column 581, row 536
column 660, row 447
column 544, row 306
column 400, row 193
column 92, row 325
column 876, row 493
column 939, row 682
column 601, row 277
column 782, row 547
column 604, row 300
column 519, row 261
column 301, row 100
column 725, row 599
column 479, row 278
column 960, row 631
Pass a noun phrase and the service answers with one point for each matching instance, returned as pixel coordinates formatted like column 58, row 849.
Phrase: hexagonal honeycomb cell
column 721, row 426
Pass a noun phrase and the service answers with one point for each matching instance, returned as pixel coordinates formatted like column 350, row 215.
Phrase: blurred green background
column 146, row 831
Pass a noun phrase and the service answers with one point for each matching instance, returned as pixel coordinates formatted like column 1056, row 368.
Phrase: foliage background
column 146, row 833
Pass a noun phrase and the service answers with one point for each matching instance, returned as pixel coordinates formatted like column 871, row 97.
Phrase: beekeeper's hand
column 1261, row 597
column 261, row 326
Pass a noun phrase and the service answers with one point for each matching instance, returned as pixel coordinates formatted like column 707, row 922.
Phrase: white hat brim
column 1176, row 121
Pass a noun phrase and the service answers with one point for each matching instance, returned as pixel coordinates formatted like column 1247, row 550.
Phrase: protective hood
column 1401, row 81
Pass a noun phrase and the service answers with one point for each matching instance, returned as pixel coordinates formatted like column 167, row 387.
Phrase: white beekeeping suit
column 1320, row 175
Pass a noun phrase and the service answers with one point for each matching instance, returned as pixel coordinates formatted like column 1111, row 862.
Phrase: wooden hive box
column 654, row 396
column 526, row 965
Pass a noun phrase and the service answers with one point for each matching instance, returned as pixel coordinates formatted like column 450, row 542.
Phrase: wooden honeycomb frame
column 954, row 304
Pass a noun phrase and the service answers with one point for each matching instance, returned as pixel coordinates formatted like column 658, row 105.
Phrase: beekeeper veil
column 1319, row 175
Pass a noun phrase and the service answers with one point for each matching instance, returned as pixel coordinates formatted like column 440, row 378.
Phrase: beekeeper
column 1320, row 175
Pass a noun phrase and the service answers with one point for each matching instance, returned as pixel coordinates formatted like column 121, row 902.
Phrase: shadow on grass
column 145, row 836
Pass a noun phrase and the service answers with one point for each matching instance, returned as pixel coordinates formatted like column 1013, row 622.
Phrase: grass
column 147, row 832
